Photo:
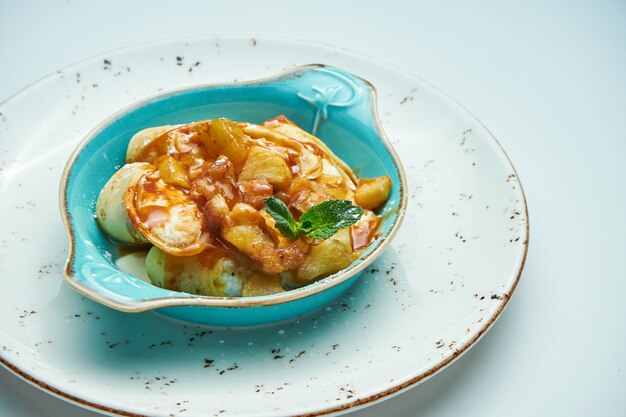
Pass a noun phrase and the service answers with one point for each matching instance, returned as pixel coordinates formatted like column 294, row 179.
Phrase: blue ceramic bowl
column 337, row 106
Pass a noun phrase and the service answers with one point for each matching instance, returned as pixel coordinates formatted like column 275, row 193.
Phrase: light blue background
column 547, row 78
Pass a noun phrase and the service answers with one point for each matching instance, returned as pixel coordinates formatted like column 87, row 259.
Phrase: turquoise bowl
column 337, row 106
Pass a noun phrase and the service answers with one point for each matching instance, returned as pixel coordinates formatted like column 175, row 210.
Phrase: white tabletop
column 548, row 79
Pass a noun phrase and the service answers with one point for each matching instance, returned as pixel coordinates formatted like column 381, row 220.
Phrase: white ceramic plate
column 442, row 283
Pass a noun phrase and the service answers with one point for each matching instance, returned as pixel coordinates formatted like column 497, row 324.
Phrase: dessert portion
column 239, row 209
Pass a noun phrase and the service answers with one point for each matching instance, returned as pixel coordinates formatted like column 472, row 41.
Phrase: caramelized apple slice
column 372, row 192
column 285, row 126
column 265, row 163
column 224, row 137
column 166, row 216
column 246, row 230
column 172, row 171
column 326, row 258
column 253, row 242
column 309, row 165
column 243, row 229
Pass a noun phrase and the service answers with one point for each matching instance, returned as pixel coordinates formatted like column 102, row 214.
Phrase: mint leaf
column 319, row 222
column 285, row 222
column 325, row 219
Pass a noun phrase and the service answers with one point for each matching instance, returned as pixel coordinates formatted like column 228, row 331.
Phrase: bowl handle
column 324, row 87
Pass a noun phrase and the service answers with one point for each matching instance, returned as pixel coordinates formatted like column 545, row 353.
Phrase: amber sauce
column 362, row 233
column 149, row 213
column 158, row 146
column 209, row 257
column 186, row 144
column 170, row 140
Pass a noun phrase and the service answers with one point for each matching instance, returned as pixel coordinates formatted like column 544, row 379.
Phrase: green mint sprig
column 319, row 222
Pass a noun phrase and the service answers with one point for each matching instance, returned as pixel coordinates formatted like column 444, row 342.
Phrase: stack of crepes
column 196, row 193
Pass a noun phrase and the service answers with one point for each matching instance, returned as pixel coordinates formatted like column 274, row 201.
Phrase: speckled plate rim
column 362, row 402
column 138, row 306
